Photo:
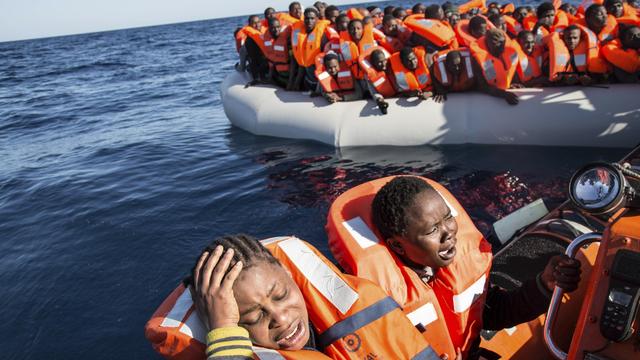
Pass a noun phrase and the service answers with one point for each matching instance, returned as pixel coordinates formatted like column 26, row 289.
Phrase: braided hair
column 246, row 248
column 389, row 207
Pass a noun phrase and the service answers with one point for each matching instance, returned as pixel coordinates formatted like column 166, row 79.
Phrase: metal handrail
column 556, row 299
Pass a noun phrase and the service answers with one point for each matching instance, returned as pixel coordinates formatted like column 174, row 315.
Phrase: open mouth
column 292, row 337
column 448, row 253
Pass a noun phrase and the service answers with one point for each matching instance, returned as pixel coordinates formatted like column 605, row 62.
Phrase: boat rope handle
column 556, row 299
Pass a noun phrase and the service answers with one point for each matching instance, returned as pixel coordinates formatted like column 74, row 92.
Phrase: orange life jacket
column 377, row 78
column 354, row 13
column 585, row 55
column 467, row 78
column 571, row 18
column 277, row 51
column 393, row 43
column 256, row 35
column 286, row 19
column 498, row 72
column 407, row 80
column 608, row 33
column 625, row 59
column 439, row 33
column 464, row 35
column 450, row 306
column 241, row 37
column 472, row 4
column 508, row 8
column 176, row 332
column 530, row 66
column 307, row 46
column 560, row 22
column 342, row 83
column 513, row 26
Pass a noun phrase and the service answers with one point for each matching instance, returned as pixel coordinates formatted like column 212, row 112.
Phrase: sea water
column 118, row 165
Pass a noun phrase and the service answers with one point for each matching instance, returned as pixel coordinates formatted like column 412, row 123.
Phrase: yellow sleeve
column 231, row 343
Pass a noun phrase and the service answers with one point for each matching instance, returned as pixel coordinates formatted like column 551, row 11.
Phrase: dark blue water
column 118, row 165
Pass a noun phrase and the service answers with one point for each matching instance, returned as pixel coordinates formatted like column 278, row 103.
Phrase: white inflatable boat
column 567, row 116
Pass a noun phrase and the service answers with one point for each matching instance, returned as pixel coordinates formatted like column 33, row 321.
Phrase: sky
column 29, row 19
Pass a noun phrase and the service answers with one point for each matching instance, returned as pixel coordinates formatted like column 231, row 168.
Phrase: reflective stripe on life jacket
column 529, row 66
column 407, row 80
column 277, row 51
column 342, row 83
column 307, row 46
column 436, row 31
column 457, row 292
column 586, row 55
column 465, row 81
column 353, row 317
column 608, row 33
column 497, row 72
column 377, row 78
column 625, row 59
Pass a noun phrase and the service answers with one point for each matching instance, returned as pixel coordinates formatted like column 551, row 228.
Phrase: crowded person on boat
column 499, row 47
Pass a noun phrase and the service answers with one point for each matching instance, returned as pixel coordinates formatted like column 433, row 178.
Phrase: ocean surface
column 117, row 165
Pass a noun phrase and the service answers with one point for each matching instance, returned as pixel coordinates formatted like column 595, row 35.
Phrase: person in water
column 419, row 227
column 246, row 298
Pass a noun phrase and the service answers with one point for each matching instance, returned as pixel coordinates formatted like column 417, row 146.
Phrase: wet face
column 478, row 32
column 631, row 39
column 571, row 38
column 616, row 9
column 527, row 43
column 453, row 18
column 453, row 63
column 310, row 21
column 271, row 307
column 430, row 236
column 598, row 18
column 269, row 13
column 296, row 11
column 495, row 43
column 356, row 30
column 378, row 61
column 501, row 24
column 411, row 61
column 274, row 28
column 255, row 23
column 342, row 23
column 520, row 14
column 547, row 18
column 390, row 27
column 333, row 67
column 332, row 15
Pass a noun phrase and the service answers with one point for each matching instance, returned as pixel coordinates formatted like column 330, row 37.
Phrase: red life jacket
column 377, row 78
column 341, row 84
column 439, row 33
column 497, row 71
column 465, row 81
column 625, row 59
column 408, row 80
column 450, row 306
column 332, row 299
column 277, row 50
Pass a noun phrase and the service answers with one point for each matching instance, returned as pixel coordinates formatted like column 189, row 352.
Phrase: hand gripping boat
column 560, row 116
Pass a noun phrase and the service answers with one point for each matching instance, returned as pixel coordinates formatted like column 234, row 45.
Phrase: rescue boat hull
column 562, row 116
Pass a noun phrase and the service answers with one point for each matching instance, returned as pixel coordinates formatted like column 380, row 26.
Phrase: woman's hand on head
column 212, row 289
